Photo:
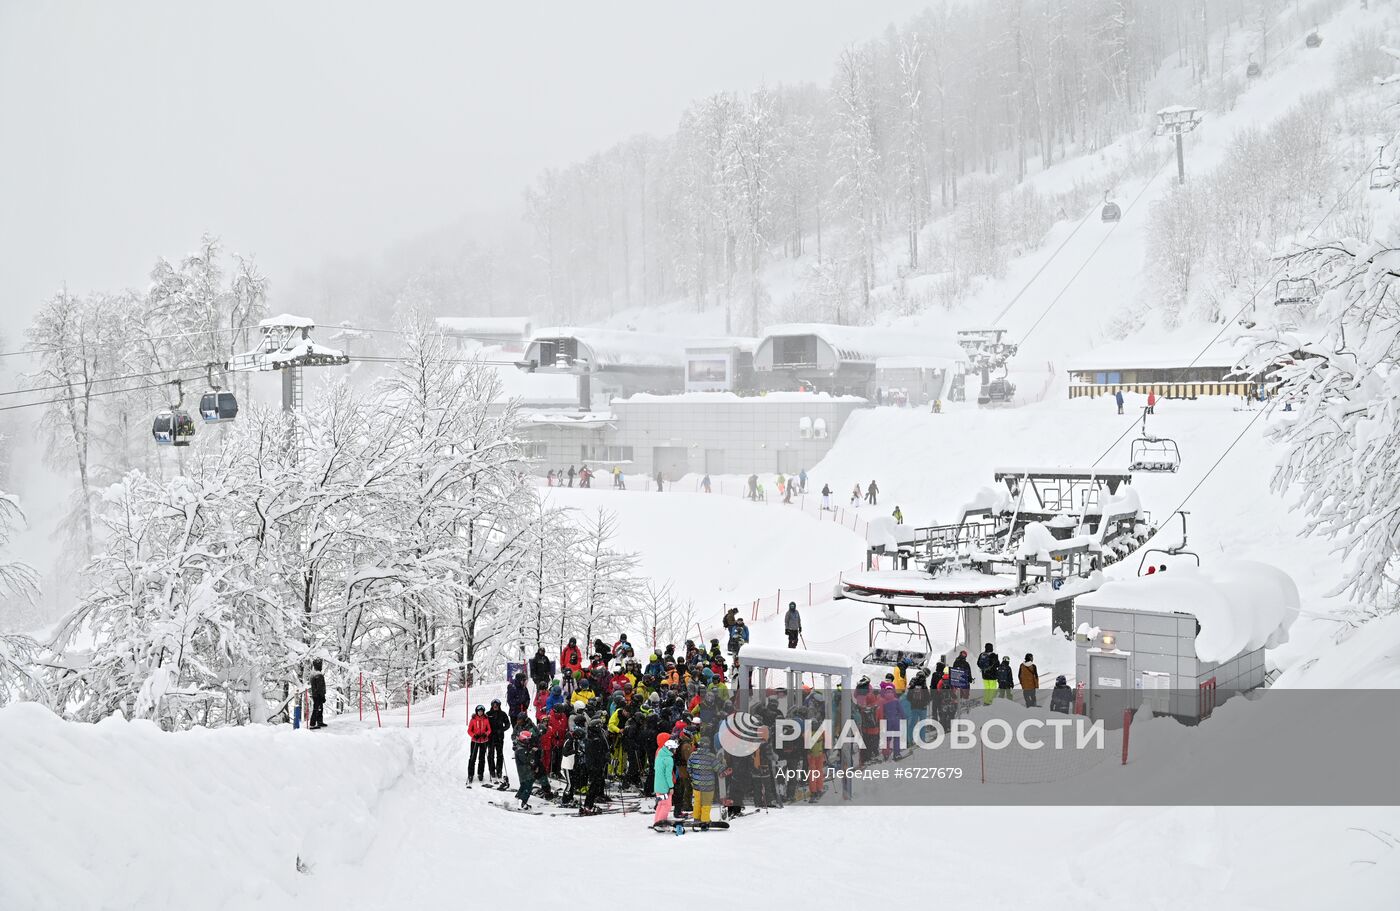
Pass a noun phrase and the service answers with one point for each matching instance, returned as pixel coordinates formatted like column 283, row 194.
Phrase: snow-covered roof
column 1162, row 351
column 572, row 418
column 865, row 343
column 303, row 349
column 1241, row 605
column 288, row 319
column 918, row 582
column 613, row 347
column 799, row 659
column 770, row 398
column 741, row 342
column 486, row 326
column 1062, row 470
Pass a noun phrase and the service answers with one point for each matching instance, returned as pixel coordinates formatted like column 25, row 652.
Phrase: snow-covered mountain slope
column 718, row 547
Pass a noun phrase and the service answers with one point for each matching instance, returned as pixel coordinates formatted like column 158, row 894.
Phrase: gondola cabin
column 174, row 427
column 218, row 407
column 1111, row 212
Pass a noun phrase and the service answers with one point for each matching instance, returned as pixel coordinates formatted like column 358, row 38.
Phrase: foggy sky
column 297, row 131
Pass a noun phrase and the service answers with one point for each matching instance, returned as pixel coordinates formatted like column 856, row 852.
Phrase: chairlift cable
column 93, row 395
column 1365, row 170
column 105, row 379
column 105, row 347
column 1090, row 258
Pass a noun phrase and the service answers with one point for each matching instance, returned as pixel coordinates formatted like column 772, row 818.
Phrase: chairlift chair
column 1176, row 550
column 894, row 641
column 1295, row 291
column 1381, row 178
column 1253, row 70
column 1154, row 455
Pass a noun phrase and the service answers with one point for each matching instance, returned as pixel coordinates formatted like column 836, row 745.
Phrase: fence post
column 446, row 685
column 1127, row 726
column 374, row 694
column 809, row 594
column 306, row 708
column 362, row 695
column 467, row 696
column 408, row 704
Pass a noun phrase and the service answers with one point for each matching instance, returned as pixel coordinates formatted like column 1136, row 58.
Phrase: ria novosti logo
column 742, row 733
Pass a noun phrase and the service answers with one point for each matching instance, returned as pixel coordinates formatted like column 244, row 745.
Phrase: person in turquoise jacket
column 664, row 779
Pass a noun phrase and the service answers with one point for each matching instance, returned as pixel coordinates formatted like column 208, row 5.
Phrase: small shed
column 1182, row 641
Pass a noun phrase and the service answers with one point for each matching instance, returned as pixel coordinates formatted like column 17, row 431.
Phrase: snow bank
column 885, row 530
column 1241, row 605
column 994, row 498
column 120, row 814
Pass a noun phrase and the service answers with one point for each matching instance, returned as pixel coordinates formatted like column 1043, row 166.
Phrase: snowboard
column 689, row 825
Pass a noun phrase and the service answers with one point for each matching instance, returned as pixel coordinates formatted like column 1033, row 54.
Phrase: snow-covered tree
column 19, row 584
column 1341, row 374
column 856, row 159
column 607, row 587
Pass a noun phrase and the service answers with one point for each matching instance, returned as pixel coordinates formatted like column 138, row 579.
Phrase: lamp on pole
column 1176, row 121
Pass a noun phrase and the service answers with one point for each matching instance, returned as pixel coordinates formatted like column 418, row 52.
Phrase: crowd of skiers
column 604, row 730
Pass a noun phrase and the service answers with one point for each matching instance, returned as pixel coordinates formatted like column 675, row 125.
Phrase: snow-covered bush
column 1340, row 375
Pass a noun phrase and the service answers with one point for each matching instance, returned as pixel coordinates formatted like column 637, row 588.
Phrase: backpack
column 919, row 696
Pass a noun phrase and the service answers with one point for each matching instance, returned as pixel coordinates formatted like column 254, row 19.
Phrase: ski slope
column 120, row 815
column 1089, row 266
column 715, row 548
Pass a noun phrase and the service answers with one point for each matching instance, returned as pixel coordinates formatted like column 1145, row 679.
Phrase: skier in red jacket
column 570, row 660
column 479, row 732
